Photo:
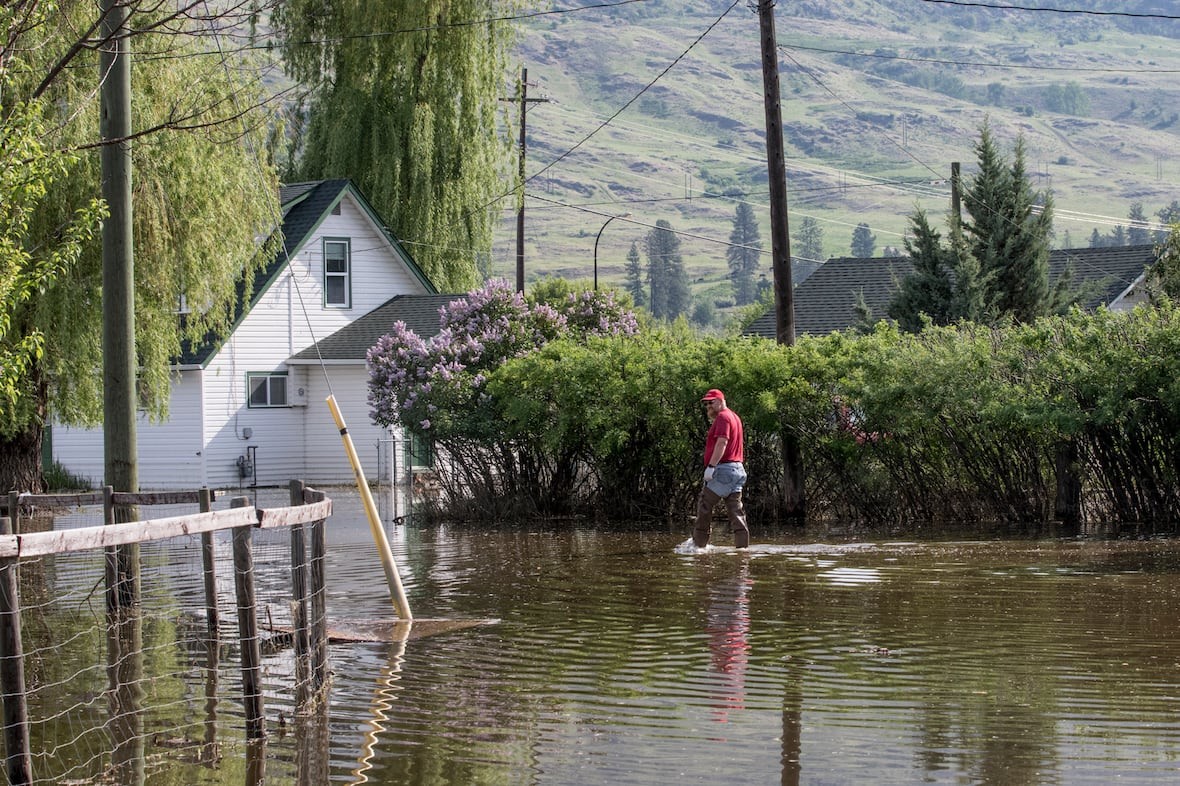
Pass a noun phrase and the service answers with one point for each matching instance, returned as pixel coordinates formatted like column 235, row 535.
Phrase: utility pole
column 780, row 237
column 780, row 240
column 523, row 95
column 956, row 203
column 118, row 260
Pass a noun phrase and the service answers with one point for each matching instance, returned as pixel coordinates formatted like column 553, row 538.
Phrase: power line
column 1009, row 66
column 1080, row 11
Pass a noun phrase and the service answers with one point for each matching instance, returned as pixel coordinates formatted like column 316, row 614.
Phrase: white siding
column 170, row 453
column 211, row 425
column 327, row 461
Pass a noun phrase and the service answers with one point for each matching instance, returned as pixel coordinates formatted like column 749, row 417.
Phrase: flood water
column 804, row 661
column 821, row 659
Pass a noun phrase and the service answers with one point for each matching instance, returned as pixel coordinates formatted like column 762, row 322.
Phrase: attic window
column 337, row 273
column 336, row 209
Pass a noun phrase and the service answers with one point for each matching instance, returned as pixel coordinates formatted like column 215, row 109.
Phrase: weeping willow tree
column 202, row 196
column 403, row 99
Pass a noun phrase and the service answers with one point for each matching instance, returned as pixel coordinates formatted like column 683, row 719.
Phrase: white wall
column 211, row 426
column 170, row 453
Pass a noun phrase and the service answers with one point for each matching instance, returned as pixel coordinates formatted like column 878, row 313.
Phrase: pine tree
column 1009, row 233
column 1138, row 234
column 667, row 279
column 744, row 253
column 635, row 276
column 863, row 241
column 928, row 289
column 808, row 244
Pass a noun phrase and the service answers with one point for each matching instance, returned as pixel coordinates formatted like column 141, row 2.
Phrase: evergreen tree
column 1138, row 234
column 1096, row 239
column 1168, row 216
column 410, row 117
column 669, row 295
column 927, row 290
column 863, row 241
column 808, row 243
column 743, row 254
column 635, row 276
column 1009, row 233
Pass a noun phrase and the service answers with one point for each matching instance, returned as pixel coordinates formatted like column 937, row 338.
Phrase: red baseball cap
column 713, row 394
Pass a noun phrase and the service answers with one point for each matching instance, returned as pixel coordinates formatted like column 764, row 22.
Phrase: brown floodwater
column 817, row 659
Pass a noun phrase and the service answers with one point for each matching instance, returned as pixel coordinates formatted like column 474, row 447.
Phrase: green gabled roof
column 305, row 206
column 826, row 300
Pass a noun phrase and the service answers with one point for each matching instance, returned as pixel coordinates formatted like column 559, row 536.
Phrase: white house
column 251, row 409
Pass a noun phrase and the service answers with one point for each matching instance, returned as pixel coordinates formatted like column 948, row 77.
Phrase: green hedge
column 960, row 424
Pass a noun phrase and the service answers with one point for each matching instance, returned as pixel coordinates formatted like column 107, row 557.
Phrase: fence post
column 299, row 601
column 18, row 760
column 209, row 749
column 124, row 651
column 248, row 626
column 14, row 513
column 319, row 610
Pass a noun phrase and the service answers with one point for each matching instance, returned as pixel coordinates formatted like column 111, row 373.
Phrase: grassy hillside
column 878, row 98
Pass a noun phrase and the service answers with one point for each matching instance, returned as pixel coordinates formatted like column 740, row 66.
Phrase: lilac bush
column 437, row 385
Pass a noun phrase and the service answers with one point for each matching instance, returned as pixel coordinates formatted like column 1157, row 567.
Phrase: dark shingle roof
column 419, row 312
column 826, row 301
column 304, row 207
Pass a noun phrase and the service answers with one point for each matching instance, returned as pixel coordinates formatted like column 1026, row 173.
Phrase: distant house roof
column 352, row 342
column 826, row 300
column 304, row 206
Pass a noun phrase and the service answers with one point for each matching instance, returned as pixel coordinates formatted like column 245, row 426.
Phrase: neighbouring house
column 827, row 300
column 251, row 409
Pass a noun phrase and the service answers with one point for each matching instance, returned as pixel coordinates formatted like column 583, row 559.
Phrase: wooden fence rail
column 308, row 508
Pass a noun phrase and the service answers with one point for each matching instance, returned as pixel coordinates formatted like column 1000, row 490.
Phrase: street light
column 596, row 239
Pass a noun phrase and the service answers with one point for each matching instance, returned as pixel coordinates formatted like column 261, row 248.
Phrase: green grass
column 701, row 126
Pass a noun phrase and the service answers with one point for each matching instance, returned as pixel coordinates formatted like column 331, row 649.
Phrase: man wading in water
column 724, row 473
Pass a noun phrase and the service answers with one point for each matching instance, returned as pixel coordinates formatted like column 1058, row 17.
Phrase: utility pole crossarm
column 523, row 97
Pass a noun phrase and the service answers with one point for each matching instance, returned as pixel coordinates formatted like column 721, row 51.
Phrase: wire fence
column 168, row 641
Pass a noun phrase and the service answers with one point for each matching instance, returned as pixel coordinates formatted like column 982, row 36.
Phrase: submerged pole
column 391, row 574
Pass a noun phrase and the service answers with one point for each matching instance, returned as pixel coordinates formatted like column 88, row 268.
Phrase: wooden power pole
column 523, row 95
column 118, row 261
column 780, row 238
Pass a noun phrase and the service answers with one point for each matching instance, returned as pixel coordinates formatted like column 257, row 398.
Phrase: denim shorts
column 728, row 478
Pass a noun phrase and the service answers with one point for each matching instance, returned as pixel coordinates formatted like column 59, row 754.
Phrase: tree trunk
column 20, row 452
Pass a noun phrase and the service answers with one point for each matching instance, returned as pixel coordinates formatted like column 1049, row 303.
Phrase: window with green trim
column 421, row 450
column 337, row 273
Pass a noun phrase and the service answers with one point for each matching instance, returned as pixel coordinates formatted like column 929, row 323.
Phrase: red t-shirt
column 727, row 424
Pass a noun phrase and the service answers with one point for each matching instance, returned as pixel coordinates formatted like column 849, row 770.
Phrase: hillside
column 878, row 98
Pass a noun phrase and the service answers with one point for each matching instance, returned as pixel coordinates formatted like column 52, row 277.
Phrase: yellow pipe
column 391, row 576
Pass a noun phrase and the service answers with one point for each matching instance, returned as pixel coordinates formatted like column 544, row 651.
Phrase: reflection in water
column 729, row 640
column 618, row 661
column 383, row 698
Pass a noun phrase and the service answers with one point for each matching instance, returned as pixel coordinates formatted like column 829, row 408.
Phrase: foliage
column 409, row 116
column 1164, row 280
column 202, row 195
column 668, row 291
column 28, row 268
column 960, row 422
column 995, row 264
column 635, row 276
column 808, row 242
column 744, row 253
column 441, row 387
column 863, row 241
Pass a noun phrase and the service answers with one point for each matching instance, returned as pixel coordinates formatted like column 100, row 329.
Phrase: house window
column 421, row 450
column 337, row 274
column 267, row 389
